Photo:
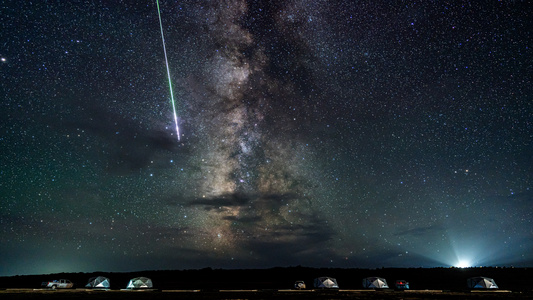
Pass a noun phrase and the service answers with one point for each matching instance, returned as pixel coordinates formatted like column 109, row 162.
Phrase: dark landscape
column 434, row 283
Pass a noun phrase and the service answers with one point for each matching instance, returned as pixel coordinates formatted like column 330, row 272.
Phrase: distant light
column 463, row 264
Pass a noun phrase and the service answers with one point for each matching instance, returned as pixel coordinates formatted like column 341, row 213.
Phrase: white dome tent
column 99, row 282
column 375, row 283
column 481, row 283
column 326, row 283
column 140, row 283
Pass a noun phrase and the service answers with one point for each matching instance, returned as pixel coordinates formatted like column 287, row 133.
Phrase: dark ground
column 311, row 295
column 448, row 283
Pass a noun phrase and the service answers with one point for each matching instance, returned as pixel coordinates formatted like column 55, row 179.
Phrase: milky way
column 316, row 133
column 254, row 186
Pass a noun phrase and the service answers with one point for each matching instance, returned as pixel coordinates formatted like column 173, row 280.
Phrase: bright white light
column 463, row 264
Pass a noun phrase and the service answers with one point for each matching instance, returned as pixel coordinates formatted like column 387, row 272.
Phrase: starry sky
column 316, row 133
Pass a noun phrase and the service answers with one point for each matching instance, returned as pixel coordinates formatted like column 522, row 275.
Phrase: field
column 249, row 294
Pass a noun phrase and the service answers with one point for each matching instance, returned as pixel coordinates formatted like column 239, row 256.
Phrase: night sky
column 316, row 133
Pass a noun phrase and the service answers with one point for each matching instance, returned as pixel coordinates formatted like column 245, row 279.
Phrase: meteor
column 168, row 73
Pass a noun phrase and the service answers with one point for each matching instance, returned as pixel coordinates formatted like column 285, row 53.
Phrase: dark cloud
column 231, row 200
column 242, row 200
column 294, row 244
column 422, row 231
column 525, row 196
column 128, row 145
column 244, row 219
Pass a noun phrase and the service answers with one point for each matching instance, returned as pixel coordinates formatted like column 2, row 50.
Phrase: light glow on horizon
column 463, row 264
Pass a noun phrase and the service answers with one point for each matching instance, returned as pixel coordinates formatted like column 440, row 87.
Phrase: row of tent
column 381, row 283
column 369, row 283
column 102, row 282
column 320, row 282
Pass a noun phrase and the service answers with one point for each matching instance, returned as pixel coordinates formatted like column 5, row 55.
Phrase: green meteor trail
column 168, row 73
